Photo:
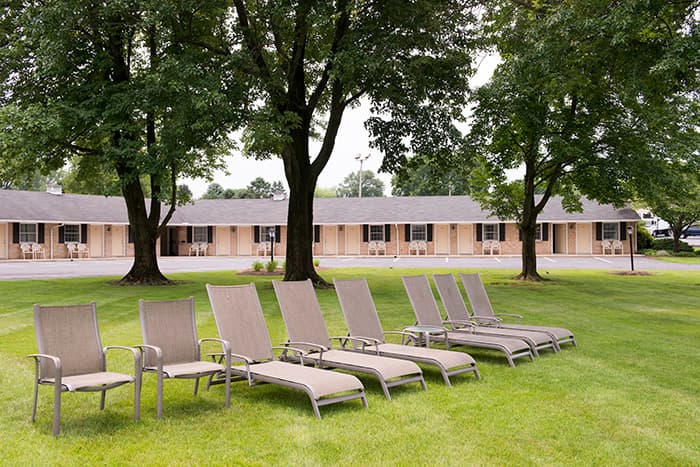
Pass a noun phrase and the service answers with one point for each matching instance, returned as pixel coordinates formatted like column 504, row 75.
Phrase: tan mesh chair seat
column 363, row 322
column 304, row 321
column 172, row 350
column 457, row 311
column 481, row 307
column 71, row 357
column 427, row 313
column 240, row 320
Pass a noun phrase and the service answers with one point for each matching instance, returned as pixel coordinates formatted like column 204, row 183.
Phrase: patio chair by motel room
column 457, row 314
column 71, row 357
column 483, row 312
column 427, row 313
column 171, row 348
column 304, row 321
column 240, row 320
column 363, row 323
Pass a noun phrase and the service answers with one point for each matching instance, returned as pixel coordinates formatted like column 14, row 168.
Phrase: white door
column 244, row 240
column 96, row 240
column 584, row 245
column 223, row 241
column 330, row 240
column 117, row 246
column 3, row 240
column 352, row 239
column 442, row 239
column 466, row 239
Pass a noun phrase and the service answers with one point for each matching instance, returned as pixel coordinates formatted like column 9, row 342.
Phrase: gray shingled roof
column 27, row 206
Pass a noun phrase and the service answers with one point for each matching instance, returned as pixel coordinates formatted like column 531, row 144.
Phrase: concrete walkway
column 20, row 269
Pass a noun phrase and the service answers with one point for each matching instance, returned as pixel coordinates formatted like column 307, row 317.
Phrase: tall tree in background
column 372, row 185
column 585, row 95
column 423, row 175
column 314, row 59
column 113, row 85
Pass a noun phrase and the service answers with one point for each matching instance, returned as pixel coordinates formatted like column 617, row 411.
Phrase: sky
column 352, row 139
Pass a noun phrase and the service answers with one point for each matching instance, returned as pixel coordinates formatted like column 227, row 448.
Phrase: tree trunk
column 145, row 270
column 528, row 226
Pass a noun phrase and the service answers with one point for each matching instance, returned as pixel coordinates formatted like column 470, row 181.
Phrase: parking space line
column 447, row 260
column 603, row 260
column 549, row 259
column 396, row 260
column 497, row 260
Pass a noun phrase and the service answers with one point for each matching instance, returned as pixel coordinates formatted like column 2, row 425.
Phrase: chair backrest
column 240, row 320
column 170, row 325
column 476, row 293
column 451, row 297
column 358, row 308
column 422, row 300
column 70, row 333
column 301, row 312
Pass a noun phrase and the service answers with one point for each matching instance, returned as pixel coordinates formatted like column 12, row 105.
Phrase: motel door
column 352, row 240
column 466, row 239
column 442, row 239
column 330, row 240
column 117, row 243
column 583, row 239
column 223, row 241
column 95, row 240
column 3, row 240
column 244, row 240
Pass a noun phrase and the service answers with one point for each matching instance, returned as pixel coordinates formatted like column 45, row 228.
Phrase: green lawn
column 679, row 259
column 627, row 395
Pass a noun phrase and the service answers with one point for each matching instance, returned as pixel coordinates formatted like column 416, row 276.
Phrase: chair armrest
column 58, row 368
column 135, row 351
column 299, row 352
column 344, row 340
column 152, row 348
column 316, row 347
column 512, row 315
column 224, row 343
column 491, row 319
column 457, row 323
column 411, row 337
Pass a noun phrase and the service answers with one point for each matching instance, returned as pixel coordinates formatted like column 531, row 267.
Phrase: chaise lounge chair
column 304, row 321
column 363, row 322
column 483, row 312
column 240, row 320
column 427, row 314
column 171, row 348
column 71, row 357
column 457, row 313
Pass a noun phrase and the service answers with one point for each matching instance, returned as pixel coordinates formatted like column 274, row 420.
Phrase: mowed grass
column 628, row 394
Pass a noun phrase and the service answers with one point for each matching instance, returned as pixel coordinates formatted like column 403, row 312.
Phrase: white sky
column 352, row 139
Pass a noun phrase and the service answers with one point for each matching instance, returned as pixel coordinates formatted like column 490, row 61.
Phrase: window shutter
column 278, row 233
column 545, row 231
column 407, row 232
column 598, row 230
column 387, row 232
column 61, row 235
column 131, row 234
column 15, row 232
column 210, row 234
column 623, row 230
column 40, row 233
column 83, row 233
column 189, row 234
column 502, row 232
column 317, row 233
column 365, row 233
column 520, row 235
column 256, row 234
column 430, row 232
column 479, row 233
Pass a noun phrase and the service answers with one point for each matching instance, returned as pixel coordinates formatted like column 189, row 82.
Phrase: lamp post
column 630, row 231
column 271, row 232
column 361, row 158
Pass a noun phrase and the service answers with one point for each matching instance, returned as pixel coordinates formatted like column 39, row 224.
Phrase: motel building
column 54, row 225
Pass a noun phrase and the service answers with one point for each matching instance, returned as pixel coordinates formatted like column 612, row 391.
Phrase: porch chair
column 240, row 321
column 302, row 317
column 83, row 250
column 171, row 348
column 491, row 246
column 71, row 357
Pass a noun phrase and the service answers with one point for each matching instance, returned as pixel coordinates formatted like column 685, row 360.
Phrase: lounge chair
column 427, row 314
column 71, row 357
column 483, row 312
column 240, row 320
column 457, row 314
column 171, row 348
column 363, row 322
column 304, row 321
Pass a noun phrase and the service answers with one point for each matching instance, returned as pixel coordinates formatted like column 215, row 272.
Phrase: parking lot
column 20, row 269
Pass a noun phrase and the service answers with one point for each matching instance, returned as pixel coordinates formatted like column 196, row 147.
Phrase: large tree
column 314, row 59
column 350, row 186
column 424, row 175
column 586, row 93
column 116, row 86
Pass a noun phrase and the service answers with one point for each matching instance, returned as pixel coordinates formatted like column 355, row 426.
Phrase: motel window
column 200, row 234
column 419, row 232
column 611, row 231
column 376, row 233
column 71, row 233
column 27, row 233
column 265, row 233
column 490, row 232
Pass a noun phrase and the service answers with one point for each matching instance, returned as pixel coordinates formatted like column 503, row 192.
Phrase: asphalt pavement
column 46, row 269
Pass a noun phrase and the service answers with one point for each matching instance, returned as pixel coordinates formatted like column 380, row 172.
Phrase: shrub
column 667, row 244
column 257, row 266
column 685, row 254
column 271, row 266
column 649, row 252
column 644, row 239
column 316, row 262
column 284, row 265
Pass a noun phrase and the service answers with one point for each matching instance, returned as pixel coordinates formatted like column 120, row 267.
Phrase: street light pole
column 271, row 232
column 361, row 158
column 630, row 231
